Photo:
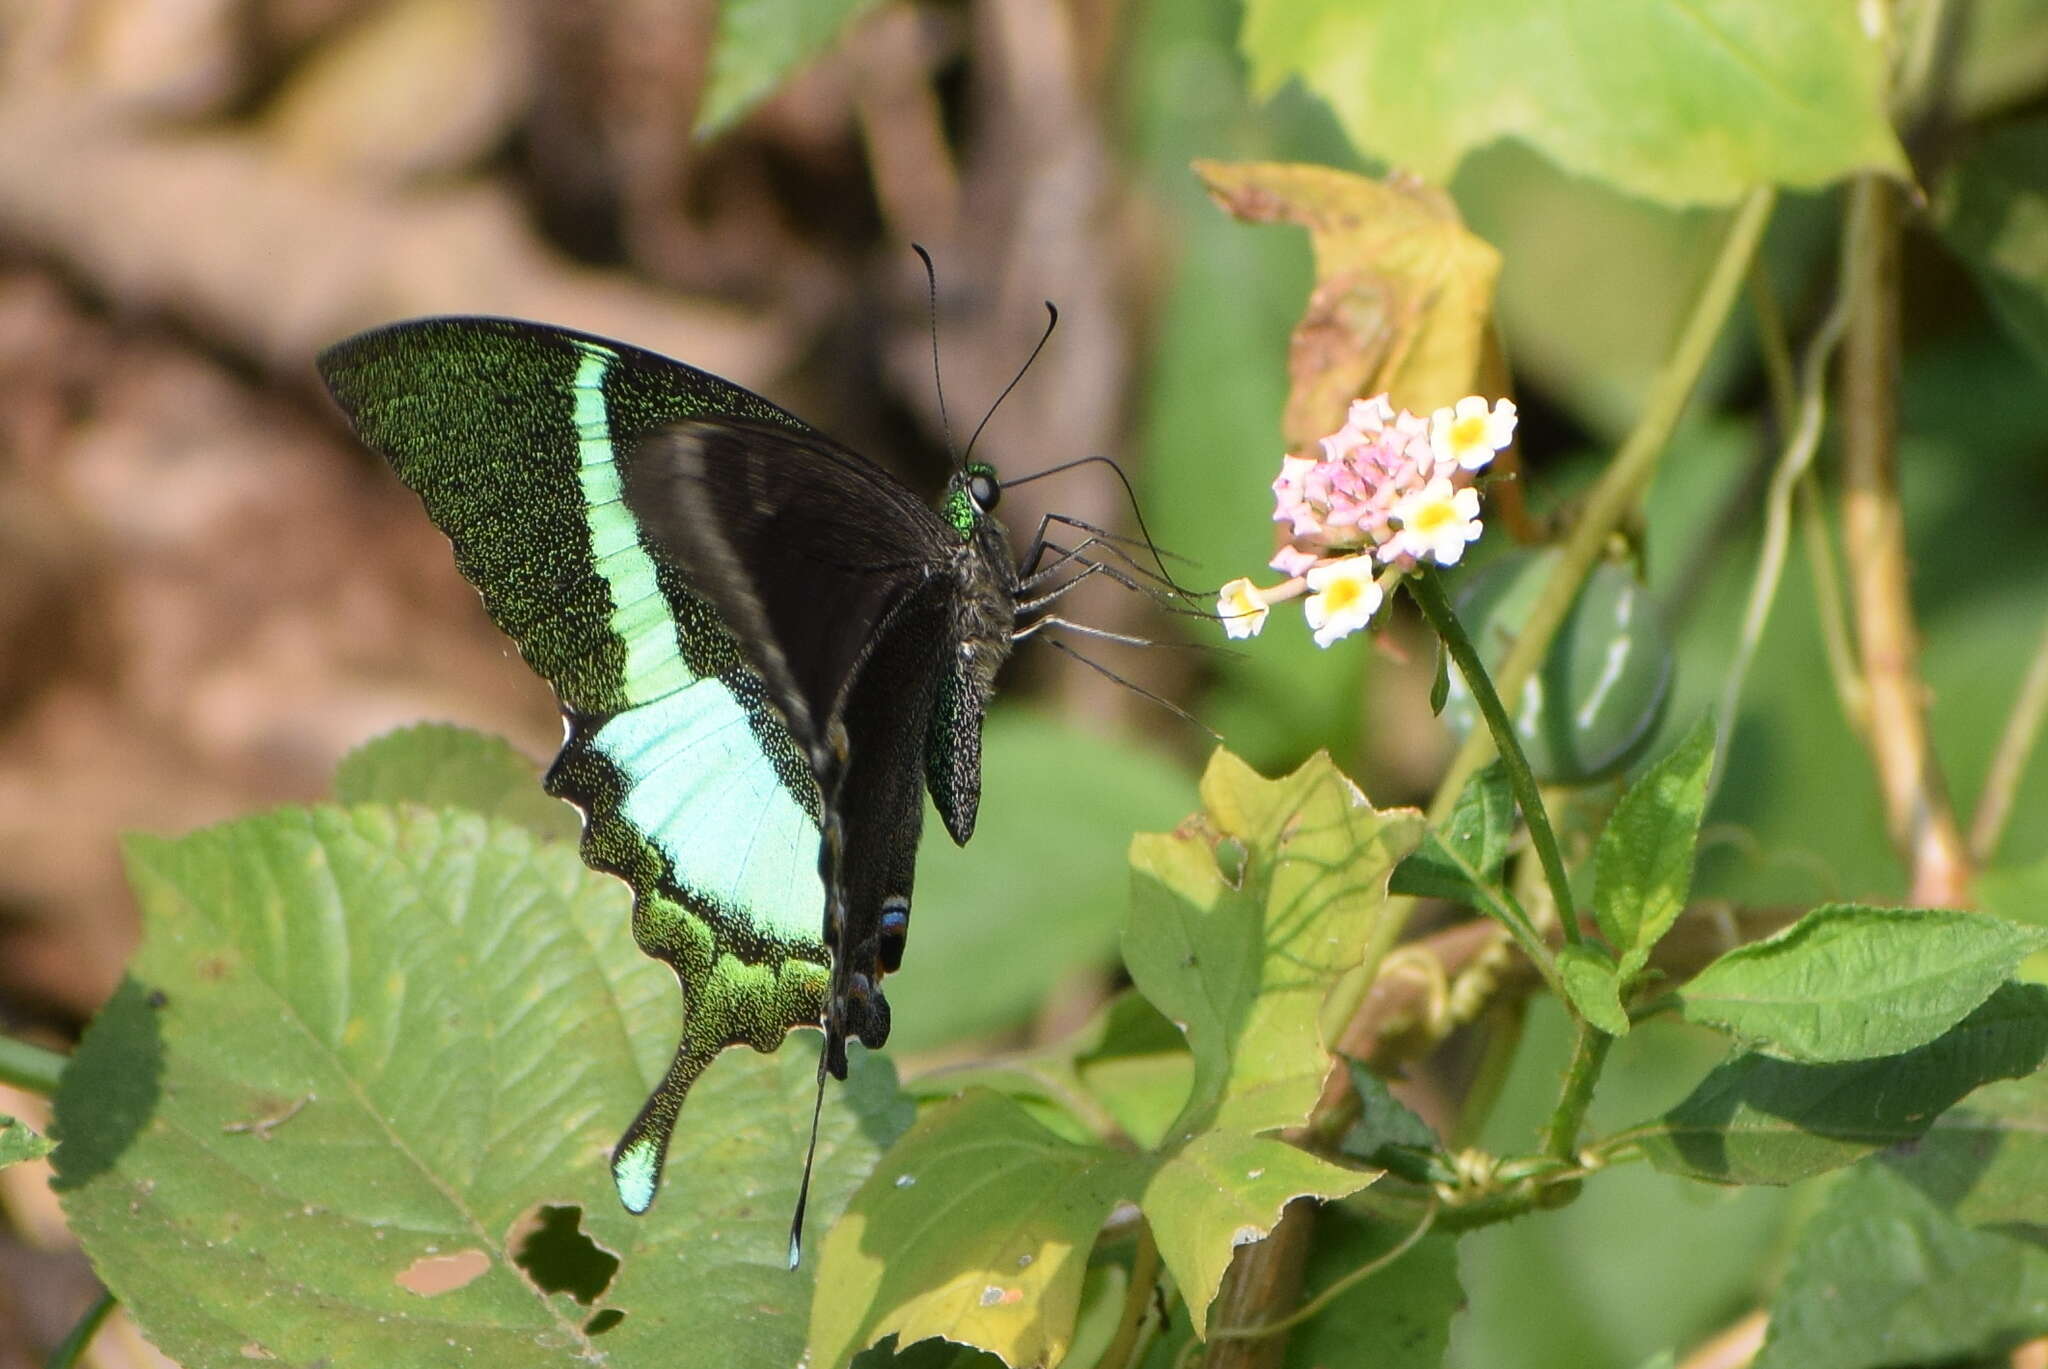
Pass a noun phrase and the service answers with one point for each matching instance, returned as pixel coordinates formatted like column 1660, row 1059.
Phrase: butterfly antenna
column 803, row 1192
column 1138, row 689
column 931, row 288
column 1130, row 493
column 1052, row 321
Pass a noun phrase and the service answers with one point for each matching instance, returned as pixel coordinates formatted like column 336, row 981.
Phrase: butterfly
column 766, row 649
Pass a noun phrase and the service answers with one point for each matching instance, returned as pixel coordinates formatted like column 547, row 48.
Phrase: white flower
column 1242, row 610
column 1436, row 523
column 1344, row 600
column 1467, row 437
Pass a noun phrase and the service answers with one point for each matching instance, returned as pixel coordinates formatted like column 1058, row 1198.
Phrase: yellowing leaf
column 1403, row 291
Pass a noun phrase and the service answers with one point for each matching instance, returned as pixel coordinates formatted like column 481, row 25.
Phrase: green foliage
column 337, row 1084
column 1730, row 93
column 1594, row 987
column 1481, row 823
column 1985, row 1161
column 1759, row 1120
column 441, row 766
column 1055, row 799
column 19, row 1141
column 1882, row 1276
column 1243, row 920
column 1400, row 1318
column 760, row 44
column 1849, row 983
column 1643, row 862
column 1992, row 209
column 975, row 1227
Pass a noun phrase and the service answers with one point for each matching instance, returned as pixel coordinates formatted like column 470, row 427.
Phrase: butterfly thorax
column 984, row 617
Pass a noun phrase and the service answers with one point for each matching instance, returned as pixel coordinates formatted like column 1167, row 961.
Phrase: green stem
column 1500, row 905
column 1589, row 1054
column 73, row 1345
column 1428, row 593
column 1611, row 500
column 29, row 1067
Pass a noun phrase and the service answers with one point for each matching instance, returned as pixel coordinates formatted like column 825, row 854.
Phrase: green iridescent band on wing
column 692, row 789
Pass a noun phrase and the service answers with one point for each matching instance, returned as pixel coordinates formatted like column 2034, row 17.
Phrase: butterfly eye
column 983, row 489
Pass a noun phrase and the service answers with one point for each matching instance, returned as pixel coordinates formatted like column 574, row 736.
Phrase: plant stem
column 1428, row 593
column 1624, row 481
column 73, row 1345
column 1918, row 815
column 1137, row 1302
column 29, row 1067
column 1589, row 1054
column 2009, row 758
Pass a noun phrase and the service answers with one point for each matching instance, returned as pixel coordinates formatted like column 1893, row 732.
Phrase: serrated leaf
column 1985, row 1161
column 1992, row 210
column 1399, row 1318
column 1757, row 1120
column 1848, row 983
column 359, row 1046
column 1591, row 984
column 1244, row 965
column 1403, row 295
column 1685, row 103
column 1643, row 860
column 2019, row 894
column 1481, row 822
column 762, row 43
column 19, row 1141
column 975, row 1227
column 1225, row 1189
column 1881, row 1277
column 442, row 766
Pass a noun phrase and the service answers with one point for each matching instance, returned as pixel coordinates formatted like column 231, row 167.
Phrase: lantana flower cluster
column 1390, row 491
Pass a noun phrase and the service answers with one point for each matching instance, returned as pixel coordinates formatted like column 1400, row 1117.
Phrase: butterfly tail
column 638, row 1158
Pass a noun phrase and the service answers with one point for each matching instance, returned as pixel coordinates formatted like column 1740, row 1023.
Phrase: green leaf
column 361, row 1047
column 1681, row 103
column 1480, row 824
column 975, row 1227
column 1643, row 861
column 1384, row 1122
column 760, row 44
column 1880, row 1277
column 2019, row 894
column 1244, row 965
column 1440, row 681
column 1758, row 1120
column 1985, row 1161
column 19, row 1141
column 442, row 766
column 1847, row 982
column 1037, row 897
column 1399, row 1318
column 1225, row 1189
column 1992, row 210
column 1593, row 987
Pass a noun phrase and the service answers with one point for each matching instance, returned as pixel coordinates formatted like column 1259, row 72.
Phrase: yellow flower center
column 1340, row 595
column 1468, row 432
column 1437, row 514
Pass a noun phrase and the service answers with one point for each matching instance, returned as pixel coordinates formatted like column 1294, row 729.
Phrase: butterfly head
column 971, row 498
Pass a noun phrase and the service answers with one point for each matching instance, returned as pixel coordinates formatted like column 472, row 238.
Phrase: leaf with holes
column 368, row 1066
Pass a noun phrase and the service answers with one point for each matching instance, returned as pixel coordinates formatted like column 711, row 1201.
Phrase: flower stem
column 66, row 1354
column 1623, row 483
column 1589, row 1054
column 1428, row 592
column 29, row 1067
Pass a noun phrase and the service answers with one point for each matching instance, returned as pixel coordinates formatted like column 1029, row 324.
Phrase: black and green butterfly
column 765, row 647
